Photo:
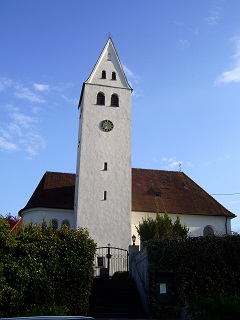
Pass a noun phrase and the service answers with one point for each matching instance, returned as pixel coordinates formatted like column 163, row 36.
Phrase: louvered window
column 103, row 74
column 114, row 100
column 101, row 99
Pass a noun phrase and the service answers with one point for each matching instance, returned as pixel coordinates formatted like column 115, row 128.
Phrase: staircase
column 115, row 298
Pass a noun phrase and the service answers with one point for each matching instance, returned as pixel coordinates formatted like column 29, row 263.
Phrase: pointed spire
column 109, row 64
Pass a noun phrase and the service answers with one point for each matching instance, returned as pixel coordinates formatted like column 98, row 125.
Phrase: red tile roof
column 55, row 190
column 171, row 192
column 152, row 191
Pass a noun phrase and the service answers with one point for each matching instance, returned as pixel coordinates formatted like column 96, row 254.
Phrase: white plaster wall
column 195, row 223
column 109, row 66
column 36, row 215
column 107, row 221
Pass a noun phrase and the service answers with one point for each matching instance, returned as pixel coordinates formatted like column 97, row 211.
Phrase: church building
column 106, row 195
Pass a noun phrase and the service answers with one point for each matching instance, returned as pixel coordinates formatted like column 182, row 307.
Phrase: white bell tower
column 103, row 175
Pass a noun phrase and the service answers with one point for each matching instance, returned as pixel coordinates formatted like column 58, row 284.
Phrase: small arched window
column 114, row 100
column 104, row 74
column 100, row 99
column 66, row 223
column 109, row 56
column 113, row 75
column 208, row 231
column 55, row 224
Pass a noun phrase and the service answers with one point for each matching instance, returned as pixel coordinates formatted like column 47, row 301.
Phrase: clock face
column 106, row 125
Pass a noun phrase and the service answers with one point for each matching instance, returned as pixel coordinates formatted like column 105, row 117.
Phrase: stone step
column 115, row 298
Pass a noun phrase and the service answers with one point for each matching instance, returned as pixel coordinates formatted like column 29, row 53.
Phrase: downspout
column 226, row 229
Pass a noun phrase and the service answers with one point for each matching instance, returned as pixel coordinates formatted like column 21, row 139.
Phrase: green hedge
column 45, row 272
column 205, row 267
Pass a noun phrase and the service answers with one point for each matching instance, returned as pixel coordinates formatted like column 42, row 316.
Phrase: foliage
column 205, row 267
column 223, row 308
column 45, row 270
column 120, row 275
column 11, row 219
column 160, row 228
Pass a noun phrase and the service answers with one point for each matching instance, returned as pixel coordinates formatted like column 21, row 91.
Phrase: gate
column 108, row 260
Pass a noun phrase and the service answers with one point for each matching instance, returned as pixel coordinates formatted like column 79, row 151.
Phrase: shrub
column 44, row 270
column 205, row 267
column 160, row 228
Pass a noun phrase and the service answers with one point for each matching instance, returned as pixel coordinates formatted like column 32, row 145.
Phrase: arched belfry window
column 104, row 74
column 114, row 100
column 208, row 231
column 113, row 75
column 100, row 99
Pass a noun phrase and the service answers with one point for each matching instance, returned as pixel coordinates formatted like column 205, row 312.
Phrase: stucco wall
column 195, row 223
column 36, row 215
column 108, row 220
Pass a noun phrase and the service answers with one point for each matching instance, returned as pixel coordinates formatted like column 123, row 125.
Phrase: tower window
column 157, row 194
column 104, row 195
column 100, row 99
column 109, row 56
column 114, row 100
column 113, row 75
column 103, row 74
column 105, row 166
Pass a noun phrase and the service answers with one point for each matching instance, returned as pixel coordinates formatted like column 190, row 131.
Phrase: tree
column 11, row 220
column 160, row 228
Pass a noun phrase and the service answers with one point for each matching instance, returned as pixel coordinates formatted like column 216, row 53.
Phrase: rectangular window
column 105, row 166
column 104, row 195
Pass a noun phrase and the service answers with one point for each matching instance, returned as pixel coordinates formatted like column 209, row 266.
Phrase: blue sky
column 182, row 59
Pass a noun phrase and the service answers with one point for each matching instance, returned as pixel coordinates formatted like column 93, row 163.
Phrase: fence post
column 133, row 251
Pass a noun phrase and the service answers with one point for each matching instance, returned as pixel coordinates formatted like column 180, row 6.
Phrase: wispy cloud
column 20, row 133
column 214, row 161
column 25, row 93
column 172, row 163
column 127, row 71
column 215, row 13
column 184, row 43
column 233, row 74
column 5, row 83
column 133, row 80
column 22, row 91
column 7, row 145
column 20, row 128
column 41, row 87
column 72, row 101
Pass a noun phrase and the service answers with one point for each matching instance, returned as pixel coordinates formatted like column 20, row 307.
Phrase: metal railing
column 109, row 260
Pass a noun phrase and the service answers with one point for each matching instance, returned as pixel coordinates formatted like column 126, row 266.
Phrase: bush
column 120, row 275
column 161, row 228
column 45, row 270
column 223, row 308
column 205, row 267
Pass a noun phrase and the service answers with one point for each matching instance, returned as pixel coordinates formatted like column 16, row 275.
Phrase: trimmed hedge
column 44, row 272
column 205, row 267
